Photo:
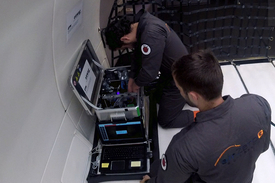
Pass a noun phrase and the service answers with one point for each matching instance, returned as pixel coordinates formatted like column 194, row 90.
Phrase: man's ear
column 125, row 39
column 194, row 97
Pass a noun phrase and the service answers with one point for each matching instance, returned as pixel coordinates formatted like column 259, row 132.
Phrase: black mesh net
column 233, row 29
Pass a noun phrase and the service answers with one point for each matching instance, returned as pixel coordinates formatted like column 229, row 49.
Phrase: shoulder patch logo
column 146, row 50
column 260, row 133
column 163, row 162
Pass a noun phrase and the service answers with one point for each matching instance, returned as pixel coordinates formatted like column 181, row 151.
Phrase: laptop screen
column 121, row 132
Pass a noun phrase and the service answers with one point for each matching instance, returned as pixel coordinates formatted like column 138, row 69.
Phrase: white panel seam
column 53, row 58
column 52, row 149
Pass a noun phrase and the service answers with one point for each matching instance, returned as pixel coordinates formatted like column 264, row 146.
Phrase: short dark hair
column 199, row 72
column 115, row 30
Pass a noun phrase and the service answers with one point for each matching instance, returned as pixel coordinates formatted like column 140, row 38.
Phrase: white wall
column 38, row 112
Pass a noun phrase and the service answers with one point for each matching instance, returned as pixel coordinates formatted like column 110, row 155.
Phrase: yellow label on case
column 135, row 163
column 104, row 165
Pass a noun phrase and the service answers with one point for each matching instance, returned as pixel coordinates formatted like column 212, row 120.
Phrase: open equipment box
column 103, row 91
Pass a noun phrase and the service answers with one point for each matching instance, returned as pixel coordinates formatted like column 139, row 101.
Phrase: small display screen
column 121, row 131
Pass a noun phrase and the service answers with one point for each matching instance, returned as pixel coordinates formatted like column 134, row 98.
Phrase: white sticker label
column 87, row 79
column 74, row 19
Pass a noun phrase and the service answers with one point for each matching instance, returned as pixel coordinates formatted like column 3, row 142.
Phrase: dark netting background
column 233, row 29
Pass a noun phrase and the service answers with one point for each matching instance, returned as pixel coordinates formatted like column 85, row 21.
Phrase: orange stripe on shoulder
column 168, row 27
column 224, row 152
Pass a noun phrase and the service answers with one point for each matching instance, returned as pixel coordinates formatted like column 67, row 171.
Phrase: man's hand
column 145, row 177
column 130, row 83
column 132, row 86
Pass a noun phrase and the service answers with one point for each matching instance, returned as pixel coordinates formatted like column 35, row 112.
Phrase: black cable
column 102, row 37
column 272, row 147
column 271, row 144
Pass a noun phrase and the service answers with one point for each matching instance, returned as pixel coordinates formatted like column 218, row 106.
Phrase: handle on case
column 98, row 64
column 90, row 104
column 118, row 116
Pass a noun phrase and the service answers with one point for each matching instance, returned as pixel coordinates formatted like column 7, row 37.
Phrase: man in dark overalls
column 227, row 137
column 156, row 46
